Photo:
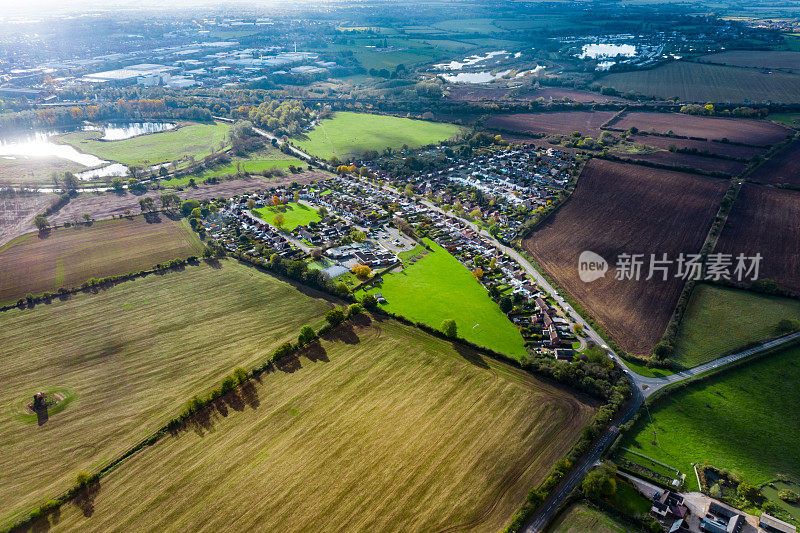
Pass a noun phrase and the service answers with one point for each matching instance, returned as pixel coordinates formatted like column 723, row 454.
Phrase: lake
column 118, row 132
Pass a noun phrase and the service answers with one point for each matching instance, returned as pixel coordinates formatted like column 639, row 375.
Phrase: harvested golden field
column 127, row 359
column 619, row 208
column 66, row 257
column 380, row 428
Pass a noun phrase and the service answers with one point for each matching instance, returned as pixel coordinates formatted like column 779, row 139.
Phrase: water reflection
column 593, row 51
column 118, row 132
column 39, row 145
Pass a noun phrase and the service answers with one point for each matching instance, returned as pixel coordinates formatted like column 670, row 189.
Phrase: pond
column 118, row 132
column 475, row 77
column 469, row 61
column 593, row 51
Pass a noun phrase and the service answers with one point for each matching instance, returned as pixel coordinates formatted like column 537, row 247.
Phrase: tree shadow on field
column 249, row 394
column 315, row 352
column 234, row 401
column 343, row 333
column 470, row 355
column 213, row 262
column 289, row 364
column 84, row 500
column 201, row 421
column 152, row 217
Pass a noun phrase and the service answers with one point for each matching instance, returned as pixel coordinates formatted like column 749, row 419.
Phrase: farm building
column 770, row 523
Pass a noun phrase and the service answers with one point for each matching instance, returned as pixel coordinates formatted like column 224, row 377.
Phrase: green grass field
column 438, row 287
column 743, row 420
column 69, row 256
column 266, row 159
column 348, row 134
column 719, row 320
column 190, row 139
column 132, row 355
column 787, row 119
column 695, row 82
column 581, row 518
column 294, row 213
column 380, row 427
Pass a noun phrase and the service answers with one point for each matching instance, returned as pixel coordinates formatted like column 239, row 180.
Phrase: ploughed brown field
column 563, row 123
column 766, row 221
column 777, row 59
column 754, row 132
column 474, row 93
column 690, row 161
column 620, row 208
column 66, row 257
column 781, row 169
column 724, row 149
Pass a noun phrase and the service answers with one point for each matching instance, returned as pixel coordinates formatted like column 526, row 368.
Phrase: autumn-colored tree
column 279, row 220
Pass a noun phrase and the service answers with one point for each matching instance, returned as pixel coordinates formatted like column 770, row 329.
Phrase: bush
column 188, row 206
column 335, row 317
column 82, row 479
column 449, row 328
column 747, row 491
column 354, row 309
column 369, row 302
column 307, row 334
column 789, row 496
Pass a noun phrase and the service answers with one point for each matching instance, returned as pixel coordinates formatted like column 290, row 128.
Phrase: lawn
column 189, row 140
column 67, row 257
column 580, row 518
column 787, row 119
column 438, row 287
column 629, row 500
column 130, row 357
column 380, row 427
column 294, row 213
column 720, row 320
column 348, row 134
column 743, row 420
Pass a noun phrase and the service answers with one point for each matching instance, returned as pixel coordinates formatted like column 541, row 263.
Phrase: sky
column 38, row 8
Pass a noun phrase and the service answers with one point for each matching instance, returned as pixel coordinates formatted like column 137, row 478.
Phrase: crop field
column 438, row 287
column 130, row 357
column 563, row 123
column 742, row 420
column 690, row 161
column 69, row 256
column 294, row 213
column 380, row 427
column 580, row 517
column 696, row 82
column 719, row 320
column 781, row 169
column 755, row 132
column 190, row 139
column 618, row 208
column 34, row 171
column 348, row 134
column 723, row 149
column 766, row 221
column 760, row 59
